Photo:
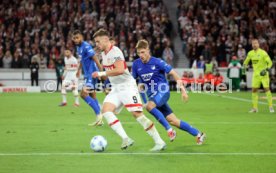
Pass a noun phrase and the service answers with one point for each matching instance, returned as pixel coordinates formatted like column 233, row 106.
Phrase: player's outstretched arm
column 119, row 69
column 179, row 82
column 95, row 58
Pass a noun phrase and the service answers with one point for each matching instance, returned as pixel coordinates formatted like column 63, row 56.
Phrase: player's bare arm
column 95, row 58
column 118, row 70
column 185, row 96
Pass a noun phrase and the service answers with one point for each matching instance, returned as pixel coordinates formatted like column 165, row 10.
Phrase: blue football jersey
column 85, row 53
column 152, row 74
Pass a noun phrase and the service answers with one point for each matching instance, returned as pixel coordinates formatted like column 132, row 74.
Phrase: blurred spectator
column 214, row 62
column 1, row 58
column 206, row 52
column 16, row 61
column 34, row 67
column 241, row 53
column 7, row 60
column 200, row 79
column 234, row 73
column 209, row 67
column 218, row 78
column 200, row 64
column 44, row 27
column 168, row 54
column 225, row 26
column 51, row 64
column 59, row 71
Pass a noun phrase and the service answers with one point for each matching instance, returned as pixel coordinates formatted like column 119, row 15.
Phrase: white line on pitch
column 231, row 123
column 147, row 154
column 235, row 98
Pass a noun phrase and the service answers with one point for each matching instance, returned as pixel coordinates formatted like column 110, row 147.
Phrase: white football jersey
column 71, row 65
column 113, row 55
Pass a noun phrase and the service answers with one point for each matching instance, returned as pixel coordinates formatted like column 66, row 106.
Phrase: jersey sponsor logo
column 117, row 58
column 147, row 76
column 72, row 65
column 255, row 61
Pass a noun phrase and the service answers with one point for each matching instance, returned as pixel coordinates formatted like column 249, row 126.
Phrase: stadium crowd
column 34, row 30
column 218, row 30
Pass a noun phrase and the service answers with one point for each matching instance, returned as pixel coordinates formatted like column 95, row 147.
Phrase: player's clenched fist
column 95, row 74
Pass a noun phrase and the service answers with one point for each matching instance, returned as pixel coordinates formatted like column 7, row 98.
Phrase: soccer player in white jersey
column 124, row 92
column 70, row 78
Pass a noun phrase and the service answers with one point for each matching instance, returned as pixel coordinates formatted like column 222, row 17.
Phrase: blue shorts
column 107, row 84
column 165, row 109
column 161, row 99
column 90, row 83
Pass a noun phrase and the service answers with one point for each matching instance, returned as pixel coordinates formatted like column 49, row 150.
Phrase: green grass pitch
column 38, row 136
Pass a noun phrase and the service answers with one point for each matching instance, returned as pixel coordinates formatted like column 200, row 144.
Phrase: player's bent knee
column 83, row 94
column 266, row 89
column 137, row 114
column 254, row 90
column 108, row 107
column 150, row 106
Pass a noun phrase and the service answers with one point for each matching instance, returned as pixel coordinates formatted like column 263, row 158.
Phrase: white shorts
column 130, row 98
column 70, row 80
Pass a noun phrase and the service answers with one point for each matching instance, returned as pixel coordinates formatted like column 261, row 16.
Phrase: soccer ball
column 98, row 143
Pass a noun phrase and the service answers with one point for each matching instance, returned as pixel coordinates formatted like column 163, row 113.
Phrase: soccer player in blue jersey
column 151, row 73
column 89, row 63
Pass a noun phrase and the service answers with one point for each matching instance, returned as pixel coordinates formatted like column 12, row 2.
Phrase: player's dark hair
column 111, row 39
column 77, row 32
column 142, row 44
column 101, row 32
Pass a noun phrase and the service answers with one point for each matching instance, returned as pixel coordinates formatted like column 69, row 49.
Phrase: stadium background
column 201, row 31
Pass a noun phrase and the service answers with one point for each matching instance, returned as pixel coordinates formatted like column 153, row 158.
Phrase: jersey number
column 135, row 99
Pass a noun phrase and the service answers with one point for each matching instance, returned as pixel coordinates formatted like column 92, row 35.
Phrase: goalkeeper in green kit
column 261, row 63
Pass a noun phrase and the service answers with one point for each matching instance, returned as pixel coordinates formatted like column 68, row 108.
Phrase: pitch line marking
column 230, row 123
column 142, row 153
column 236, row 98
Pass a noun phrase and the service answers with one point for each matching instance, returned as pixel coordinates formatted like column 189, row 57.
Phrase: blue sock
column 144, row 97
column 96, row 100
column 93, row 103
column 161, row 118
column 188, row 128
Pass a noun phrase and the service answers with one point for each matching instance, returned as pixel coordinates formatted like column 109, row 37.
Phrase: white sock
column 115, row 124
column 63, row 93
column 76, row 94
column 150, row 128
column 170, row 129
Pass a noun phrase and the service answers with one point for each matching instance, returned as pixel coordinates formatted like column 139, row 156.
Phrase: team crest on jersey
column 147, row 77
column 153, row 67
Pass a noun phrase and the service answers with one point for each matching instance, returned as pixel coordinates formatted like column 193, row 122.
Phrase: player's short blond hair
column 101, row 32
column 142, row 44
